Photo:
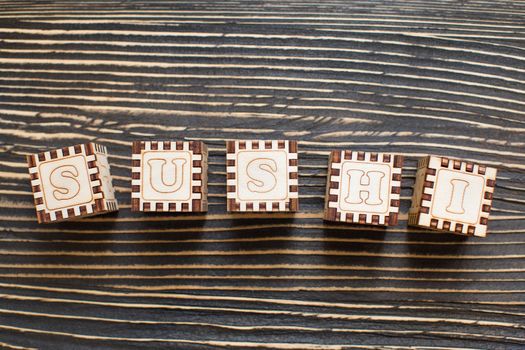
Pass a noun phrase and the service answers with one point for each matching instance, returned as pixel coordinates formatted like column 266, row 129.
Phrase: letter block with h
column 71, row 182
column 169, row 176
column 262, row 176
column 363, row 188
column 452, row 195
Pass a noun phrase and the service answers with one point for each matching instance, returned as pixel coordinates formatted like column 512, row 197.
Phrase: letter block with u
column 71, row 182
column 169, row 176
column 262, row 176
column 363, row 188
column 452, row 195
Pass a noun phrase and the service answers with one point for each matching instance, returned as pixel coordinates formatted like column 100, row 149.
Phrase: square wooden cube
column 363, row 188
column 262, row 176
column 169, row 176
column 71, row 182
column 452, row 195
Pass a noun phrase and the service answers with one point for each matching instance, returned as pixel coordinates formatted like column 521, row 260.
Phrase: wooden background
column 414, row 77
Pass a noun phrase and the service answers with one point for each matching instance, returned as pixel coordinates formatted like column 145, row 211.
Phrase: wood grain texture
column 410, row 77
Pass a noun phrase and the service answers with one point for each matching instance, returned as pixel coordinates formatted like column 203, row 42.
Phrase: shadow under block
column 363, row 188
column 71, row 182
column 169, row 176
column 452, row 195
column 262, row 176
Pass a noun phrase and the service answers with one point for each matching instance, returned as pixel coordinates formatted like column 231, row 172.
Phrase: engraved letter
column 166, row 177
column 359, row 191
column 63, row 178
column 457, row 197
column 261, row 171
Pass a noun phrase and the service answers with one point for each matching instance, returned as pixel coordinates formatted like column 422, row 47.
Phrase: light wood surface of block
column 452, row 195
column 71, row 182
column 262, row 176
column 363, row 188
column 169, row 176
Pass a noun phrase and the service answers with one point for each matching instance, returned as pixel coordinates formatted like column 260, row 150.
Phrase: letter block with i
column 169, row 176
column 363, row 188
column 452, row 195
column 71, row 182
column 262, row 176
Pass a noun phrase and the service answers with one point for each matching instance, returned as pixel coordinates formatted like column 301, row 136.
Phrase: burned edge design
column 98, row 205
column 291, row 204
column 101, row 154
column 198, row 201
column 424, row 190
column 332, row 212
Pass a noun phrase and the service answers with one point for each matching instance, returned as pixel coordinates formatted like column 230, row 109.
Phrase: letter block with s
column 363, row 188
column 262, row 176
column 169, row 176
column 71, row 182
column 452, row 195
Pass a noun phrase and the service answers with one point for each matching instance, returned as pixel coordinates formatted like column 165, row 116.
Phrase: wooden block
column 363, row 188
column 452, row 195
column 169, row 176
column 262, row 176
column 71, row 182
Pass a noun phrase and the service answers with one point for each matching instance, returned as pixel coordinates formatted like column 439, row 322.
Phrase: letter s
column 262, row 182
column 64, row 180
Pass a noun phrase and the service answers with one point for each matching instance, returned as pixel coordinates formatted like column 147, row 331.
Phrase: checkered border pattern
column 289, row 205
column 332, row 212
column 199, row 192
column 424, row 190
column 102, row 159
column 99, row 204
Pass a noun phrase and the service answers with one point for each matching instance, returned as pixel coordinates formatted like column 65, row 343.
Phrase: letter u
column 166, row 177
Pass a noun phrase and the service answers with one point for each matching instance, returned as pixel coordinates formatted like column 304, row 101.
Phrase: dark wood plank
column 417, row 77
